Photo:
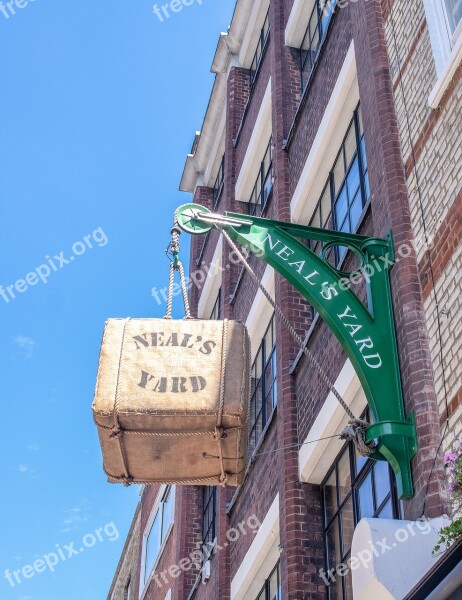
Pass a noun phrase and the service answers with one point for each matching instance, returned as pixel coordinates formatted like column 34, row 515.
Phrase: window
column 216, row 310
column 262, row 39
column 347, row 191
column 264, row 183
column 317, row 26
column 219, row 184
column 444, row 19
column 263, row 386
column 272, row 589
column 453, row 9
column 158, row 531
column 209, row 514
column 354, row 488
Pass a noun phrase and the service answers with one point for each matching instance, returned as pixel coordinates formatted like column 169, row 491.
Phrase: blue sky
column 98, row 106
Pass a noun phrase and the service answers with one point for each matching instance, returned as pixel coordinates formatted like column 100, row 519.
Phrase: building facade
column 347, row 116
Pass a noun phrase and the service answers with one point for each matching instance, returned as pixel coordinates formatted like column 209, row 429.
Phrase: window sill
column 446, row 75
column 307, row 87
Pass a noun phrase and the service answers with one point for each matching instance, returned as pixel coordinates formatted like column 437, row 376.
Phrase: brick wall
column 431, row 146
column 127, row 570
column 399, row 129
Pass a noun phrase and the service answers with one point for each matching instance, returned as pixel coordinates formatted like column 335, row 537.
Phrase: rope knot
column 116, row 432
column 127, row 481
column 356, row 432
column 219, row 434
column 224, row 479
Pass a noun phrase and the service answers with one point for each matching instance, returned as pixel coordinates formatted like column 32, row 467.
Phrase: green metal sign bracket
column 367, row 334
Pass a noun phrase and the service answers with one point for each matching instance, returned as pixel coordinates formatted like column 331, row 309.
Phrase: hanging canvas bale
column 171, row 401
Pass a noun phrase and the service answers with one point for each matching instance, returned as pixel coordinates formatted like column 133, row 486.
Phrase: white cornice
column 226, row 56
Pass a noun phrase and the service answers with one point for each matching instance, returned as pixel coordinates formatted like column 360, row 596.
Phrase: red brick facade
column 295, row 123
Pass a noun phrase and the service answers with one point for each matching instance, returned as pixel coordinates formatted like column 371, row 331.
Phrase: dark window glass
column 219, row 184
column 454, row 14
column 209, row 513
column 347, row 191
column 217, row 309
column 262, row 39
column 263, row 386
column 159, row 530
column 314, row 34
column 354, row 488
column 272, row 589
column 264, row 183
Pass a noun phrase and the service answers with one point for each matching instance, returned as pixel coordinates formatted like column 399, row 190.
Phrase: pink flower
column 450, row 457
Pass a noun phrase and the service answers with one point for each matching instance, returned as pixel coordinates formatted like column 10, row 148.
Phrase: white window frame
column 447, row 48
column 146, row 580
column 260, row 559
column 329, row 137
column 256, row 149
column 212, row 284
column 250, row 39
column 320, row 449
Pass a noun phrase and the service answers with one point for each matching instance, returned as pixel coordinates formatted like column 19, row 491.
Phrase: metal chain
column 176, row 265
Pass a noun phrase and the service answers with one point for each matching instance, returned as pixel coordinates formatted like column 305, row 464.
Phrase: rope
column 356, row 431
column 350, row 433
column 219, row 433
column 117, row 431
column 176, row 265
column 164, row 434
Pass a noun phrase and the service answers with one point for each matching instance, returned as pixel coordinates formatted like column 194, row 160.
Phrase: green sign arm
column 367, row 334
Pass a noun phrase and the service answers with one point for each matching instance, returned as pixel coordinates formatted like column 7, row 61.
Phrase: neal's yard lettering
column 350, row 323
column 328, row 291
column 185, row 340
column 174, row 385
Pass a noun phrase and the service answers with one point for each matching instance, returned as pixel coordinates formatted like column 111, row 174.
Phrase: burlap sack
column 171, row 401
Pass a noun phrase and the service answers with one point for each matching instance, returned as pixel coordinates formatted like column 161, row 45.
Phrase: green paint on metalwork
column 366, row 334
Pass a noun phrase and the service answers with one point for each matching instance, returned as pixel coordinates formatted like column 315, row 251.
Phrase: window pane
column 360, row 461
column 353, row 179
column 330, row 497
column 366, row 501
column 387, row 511
column 363, row 153
column 366, row 186
column 454, row 12
column 350, row 145
column 339, row 173
column 348, row 526
column 316, row 218
column 382, row 481
column 334, row 556
column 168, row 512
column 341, row 207
column 356, row 212
column 344, row 476
column 153, row 544
column 360, row 121
column 325, row 205
column 273, row 586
